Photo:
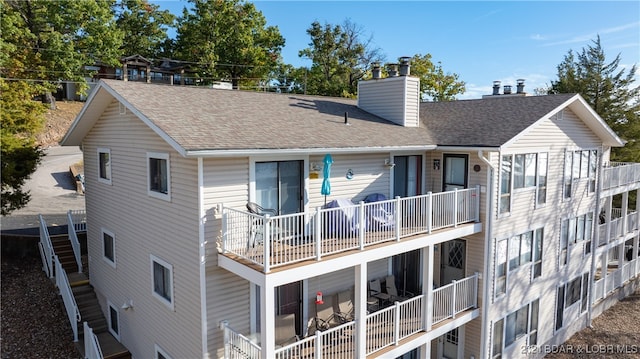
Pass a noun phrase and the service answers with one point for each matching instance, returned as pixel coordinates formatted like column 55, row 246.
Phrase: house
column 459, row 229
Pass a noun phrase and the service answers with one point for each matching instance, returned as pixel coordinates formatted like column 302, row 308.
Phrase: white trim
column 161, row 156
column 104, row 231
column 202, row 253
column 117, row 310
column 165, row 264
column 108, row 180
column 160, row 351
column 304, row 151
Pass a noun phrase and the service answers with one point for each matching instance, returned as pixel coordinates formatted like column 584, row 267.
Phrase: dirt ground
column 58, row 122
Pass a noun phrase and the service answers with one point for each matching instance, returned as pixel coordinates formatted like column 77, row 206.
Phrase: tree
column 145, row 28
column 228, row 39
column 340, row 58
column 434, row 82
column 608, row 90
column 55, row 40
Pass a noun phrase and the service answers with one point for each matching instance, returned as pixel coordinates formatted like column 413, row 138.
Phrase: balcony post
column 427, row 286
column 225, row 235
column 455, row 208
column 624, row 210
column 318, row 233
column 429, row 211
column 362, row 225
column 266, row 243
column 453, row 298
column 398, row 217
column 318, row 345
column 475, row 289
column 361, row 296
column 477, row 194
column 224, row 325
column 396, row 323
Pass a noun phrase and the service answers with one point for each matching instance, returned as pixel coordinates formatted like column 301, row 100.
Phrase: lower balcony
column 311, row 236
column 414, row 318
column 622, row 175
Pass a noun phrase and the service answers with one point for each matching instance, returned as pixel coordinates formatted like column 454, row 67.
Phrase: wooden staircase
column 87, row 302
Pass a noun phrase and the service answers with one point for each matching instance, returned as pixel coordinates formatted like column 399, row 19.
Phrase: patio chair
column 256, row 235
column 375, row 290
column 325, row 314
column 286, row 330
column 390, row 283
column 345, row 306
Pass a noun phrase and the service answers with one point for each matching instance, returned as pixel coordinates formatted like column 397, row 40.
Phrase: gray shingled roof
column 211, row 119
column 489, row 122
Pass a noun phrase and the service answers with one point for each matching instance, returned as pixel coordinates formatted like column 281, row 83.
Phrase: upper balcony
column 356, row 228
column 620, row 177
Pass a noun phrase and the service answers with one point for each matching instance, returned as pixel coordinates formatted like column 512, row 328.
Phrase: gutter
column 479, row 149
column 487, row 254
column 302, row 151
column 595, row 238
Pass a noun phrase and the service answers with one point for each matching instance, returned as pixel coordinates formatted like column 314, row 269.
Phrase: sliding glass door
column 279, row 186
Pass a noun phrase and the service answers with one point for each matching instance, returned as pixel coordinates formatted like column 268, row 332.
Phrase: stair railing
column 73, row 237
column 46, row 248
column 92, row 348
column 73, row 313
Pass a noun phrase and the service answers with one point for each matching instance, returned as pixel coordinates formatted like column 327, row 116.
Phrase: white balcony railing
column 325, row 231
column 73, row 236
column 384, row 328
column 616, row 228
column 46, row 248
column 73, row 313
column 620, row 174
column 92, row 348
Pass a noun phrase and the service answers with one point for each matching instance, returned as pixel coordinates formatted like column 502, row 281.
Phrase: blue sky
column 481, row 41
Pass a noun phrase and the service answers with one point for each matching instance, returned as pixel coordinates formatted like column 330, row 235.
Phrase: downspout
column 487, row 254
column 202, row 220
column 595, row 238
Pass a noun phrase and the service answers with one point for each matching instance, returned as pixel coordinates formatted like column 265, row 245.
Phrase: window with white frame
column 162, row 275
column 104, row 165
column 575, row 231
column 519, row 171
column 578, row 165
column 516, row 325
column 568, row 294
column 161, row 353
column 159, row 180
column 109, row 247
column 514, row 252
column 114, row 321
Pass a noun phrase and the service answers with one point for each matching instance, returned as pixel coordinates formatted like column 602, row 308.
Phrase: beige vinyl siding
column 395, row 99
column 226, row 181
column 166, row 229
column 369, row 176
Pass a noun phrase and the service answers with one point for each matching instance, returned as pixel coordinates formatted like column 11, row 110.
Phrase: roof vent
column 496, row 87
column 404, row 66
column 393, row 70
column 507, row 89
column 375, row 70
column 520, row 86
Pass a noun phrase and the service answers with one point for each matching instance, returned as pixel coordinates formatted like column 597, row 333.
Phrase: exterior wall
column 553, row 137
column 395, row 99
column 166, row 229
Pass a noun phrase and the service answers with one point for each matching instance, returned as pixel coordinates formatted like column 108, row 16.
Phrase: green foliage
column 434, row 82
column 145, row 29
column 608, row 90
column 340, row 58
column 21, row 119
column 229, row 40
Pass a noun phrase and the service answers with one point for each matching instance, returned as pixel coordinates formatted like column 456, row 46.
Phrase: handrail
column 92, row 348
column 73, row 313
column 79, row 219
column 73, row 238
column 47, row 248
column 237, row 345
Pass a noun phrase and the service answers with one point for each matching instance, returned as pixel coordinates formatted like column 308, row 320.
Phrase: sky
column 481, row 41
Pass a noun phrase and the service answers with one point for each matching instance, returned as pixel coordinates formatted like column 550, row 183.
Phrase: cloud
column 537, row 37
column 587, row 37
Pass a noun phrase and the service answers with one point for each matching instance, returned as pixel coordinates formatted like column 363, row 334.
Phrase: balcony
column 623, row 175
column 383, row 328
column 619, row 227
column 312, row 236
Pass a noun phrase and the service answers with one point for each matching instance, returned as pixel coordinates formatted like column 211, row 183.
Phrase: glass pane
column 575, row 171
column 113, row 316
column 514, row 252
column 505, row 173
column 522, row 318
column 584, row 165
column 530, row 170
column 510, row 329
column 505, row 203
column 455, row 172
column 501, row 257
column 572, row 230
column 560, row 307
column 498, row 328
column 290, row 187
column 525, row 250
column 518, row 172
column 580, row 229
column 267, row 184
column 588, row 226
column 537, row 249
column 412, row 175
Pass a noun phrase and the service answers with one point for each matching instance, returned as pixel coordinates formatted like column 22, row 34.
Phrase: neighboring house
column 489, row 232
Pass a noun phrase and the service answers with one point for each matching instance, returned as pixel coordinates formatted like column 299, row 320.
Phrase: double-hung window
column 525, row 170
column 505, row 184
column 162, row 276
column 104, row 165
column 109, row 247
column 518, row 324
column 580, row 164
column 159, row 179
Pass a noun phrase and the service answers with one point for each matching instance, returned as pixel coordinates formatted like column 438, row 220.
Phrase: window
column 537, row 253
column 572, row 292
column 505, row 184
column 573, row 231
column 114, row 321
column 588, row 233
column 501, row 266
column 109, row 247
column 560, row 307
column 159, row 178
column 161, row 354
column 577, row 290
column 541, row 196
column 514, row 252
column 564, row 238
column 585, row 292
column 568, row 160
column 104, row 165
column 162, row 274
column 520, row 248
column 593, row 166
column 580, row 164
column 521, row 323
